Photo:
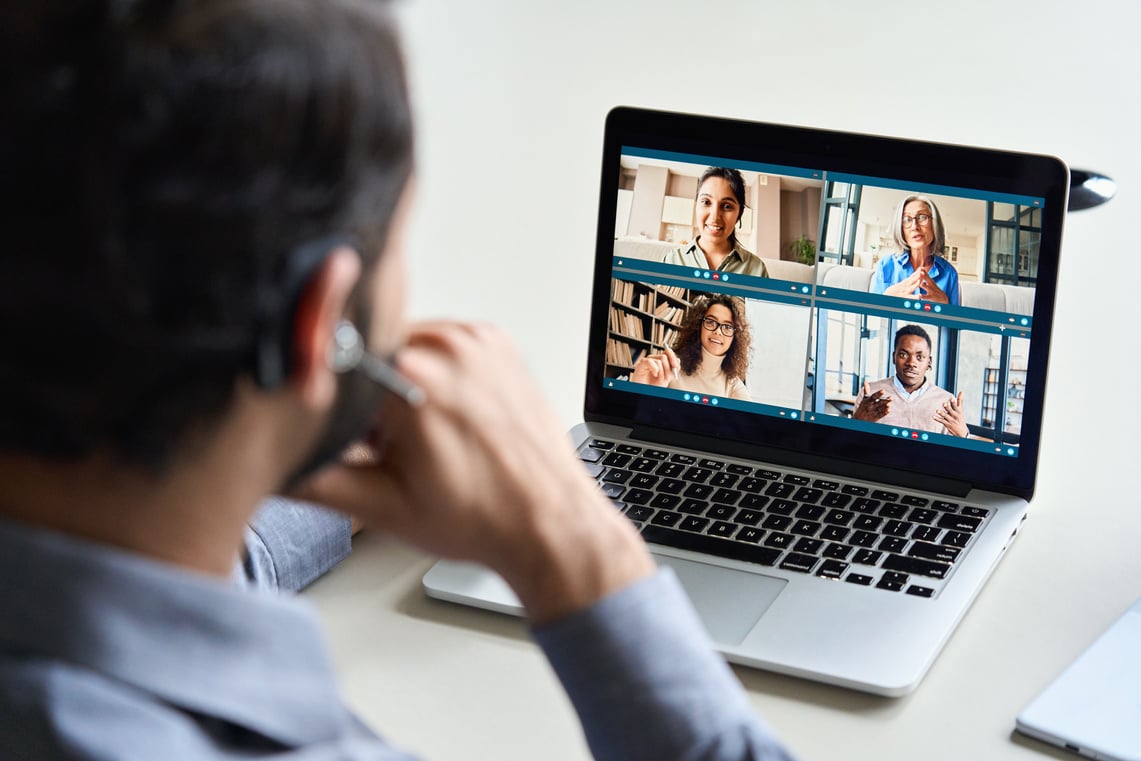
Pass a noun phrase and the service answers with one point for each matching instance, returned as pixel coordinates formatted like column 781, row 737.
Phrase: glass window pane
column 1003, row 212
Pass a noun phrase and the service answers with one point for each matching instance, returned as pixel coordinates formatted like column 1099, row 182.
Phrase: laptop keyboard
column 832, row 529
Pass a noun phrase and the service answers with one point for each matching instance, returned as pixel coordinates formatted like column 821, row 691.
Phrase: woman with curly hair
column 710, row 354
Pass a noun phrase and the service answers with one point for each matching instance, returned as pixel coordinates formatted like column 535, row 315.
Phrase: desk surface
column 510, row 99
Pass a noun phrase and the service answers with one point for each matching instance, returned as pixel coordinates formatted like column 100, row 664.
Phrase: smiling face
column 918, row 236
column 714, row 341
column 912, row 361
column 717, row 211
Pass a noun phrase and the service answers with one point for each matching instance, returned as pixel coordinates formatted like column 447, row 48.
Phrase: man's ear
column 322, row 303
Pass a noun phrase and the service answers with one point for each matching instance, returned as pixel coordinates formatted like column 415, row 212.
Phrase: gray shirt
column 108, row 655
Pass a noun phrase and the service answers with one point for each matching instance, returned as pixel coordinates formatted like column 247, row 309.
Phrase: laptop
column 1092, row 707
column 815, row 535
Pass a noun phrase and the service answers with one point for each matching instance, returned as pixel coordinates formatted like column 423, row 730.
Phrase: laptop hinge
column 830, row 465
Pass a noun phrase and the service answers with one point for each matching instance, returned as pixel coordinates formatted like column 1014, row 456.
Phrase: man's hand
column 950, row 415
column 872, row 408
column 482, row 471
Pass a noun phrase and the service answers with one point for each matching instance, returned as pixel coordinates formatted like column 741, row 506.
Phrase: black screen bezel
column 841, row 450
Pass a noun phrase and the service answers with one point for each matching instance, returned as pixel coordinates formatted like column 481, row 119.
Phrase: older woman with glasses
column 710, row 353
column 918, row 271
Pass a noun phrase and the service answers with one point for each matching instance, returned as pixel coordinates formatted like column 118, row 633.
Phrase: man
column 906, row 399
column 197, row 195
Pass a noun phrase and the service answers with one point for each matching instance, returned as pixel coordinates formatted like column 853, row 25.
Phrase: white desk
column 510, row 100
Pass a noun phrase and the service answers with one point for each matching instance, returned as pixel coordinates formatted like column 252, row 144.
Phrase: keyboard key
column 918, row 566
column 638, row 513
column 805, row 528
column 749, row 517
column 835, row 533
column 832, row 569
column 913, row 501
column 639, row 496
column 808, row 494
column 617, row 476
column 750, row 534
column 644, row 481
column 754, row 485
column 665, row 501
column 820, row 483
column 886, row 496
column 779, row 489
column 697, row 475
column 922, row 515
column 666, row 518
column 940, row 552
column 777, row 522
column 671, row 486
column 858, row 578
column 836, row 499
column 796, row 562
column 753, row 501
column 693, row 523
column 670, row 470
column 614, row 491
column 957, row 539
column 892, row 544
column 808, row 546
column 721, row 512
column 792, row 478
column 770, row 475
column 893, row 510
column 655, row 454
column 919, row 591
column 724, row 480
column 781, row 506
column 591, row 454
column 863, row 538
column 898, row 528
column 837, row 551
column 945, row 506
column 778, row 540
column 926, row 533
column 751, row 553
column 839, row 517
column 711, row 464
column 976, row 512
column 867, row 523
column 644, row 465
column 867, row 557
column 684, row 459
column 617, row 460
column 740, row 470
column 726, row 496
column 722, row 529
column 693, row 506
column 892, row 581
column 810, row 512
column 959, row 522
column 865, row 505
column 857, row 491
column 698, row 491
column 601, row 444
column 628, row 449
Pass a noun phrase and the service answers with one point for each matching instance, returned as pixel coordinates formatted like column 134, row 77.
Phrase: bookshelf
column 1011, row 398
column 643, row 319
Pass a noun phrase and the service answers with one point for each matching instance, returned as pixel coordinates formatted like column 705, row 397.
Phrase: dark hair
column 687, row 342
column 161, row 161
column 736, row 183
column 912, row 330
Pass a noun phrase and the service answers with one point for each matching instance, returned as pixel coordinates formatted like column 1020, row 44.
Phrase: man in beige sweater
column 907, row 399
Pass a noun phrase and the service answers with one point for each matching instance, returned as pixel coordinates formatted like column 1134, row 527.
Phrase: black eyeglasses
column 921, row 219
column 710, row 324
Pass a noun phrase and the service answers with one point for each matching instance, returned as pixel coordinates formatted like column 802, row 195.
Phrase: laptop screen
column 874, row 302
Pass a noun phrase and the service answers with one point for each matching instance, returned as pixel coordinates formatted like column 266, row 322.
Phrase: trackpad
column 729, row 602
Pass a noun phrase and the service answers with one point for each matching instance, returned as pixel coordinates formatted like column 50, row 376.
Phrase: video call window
column 818, row 272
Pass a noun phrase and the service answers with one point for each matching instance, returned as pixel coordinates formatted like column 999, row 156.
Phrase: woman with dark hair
column 719, row 204
column 918, row 271
column 710, row 353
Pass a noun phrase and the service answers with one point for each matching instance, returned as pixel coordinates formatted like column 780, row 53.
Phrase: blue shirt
column 107, row 654
column 897, row 267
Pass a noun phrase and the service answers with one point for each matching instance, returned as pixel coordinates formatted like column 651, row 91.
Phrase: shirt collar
column 903, row 260
column 249, row 658
column 734, row 253
column 912, row 394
